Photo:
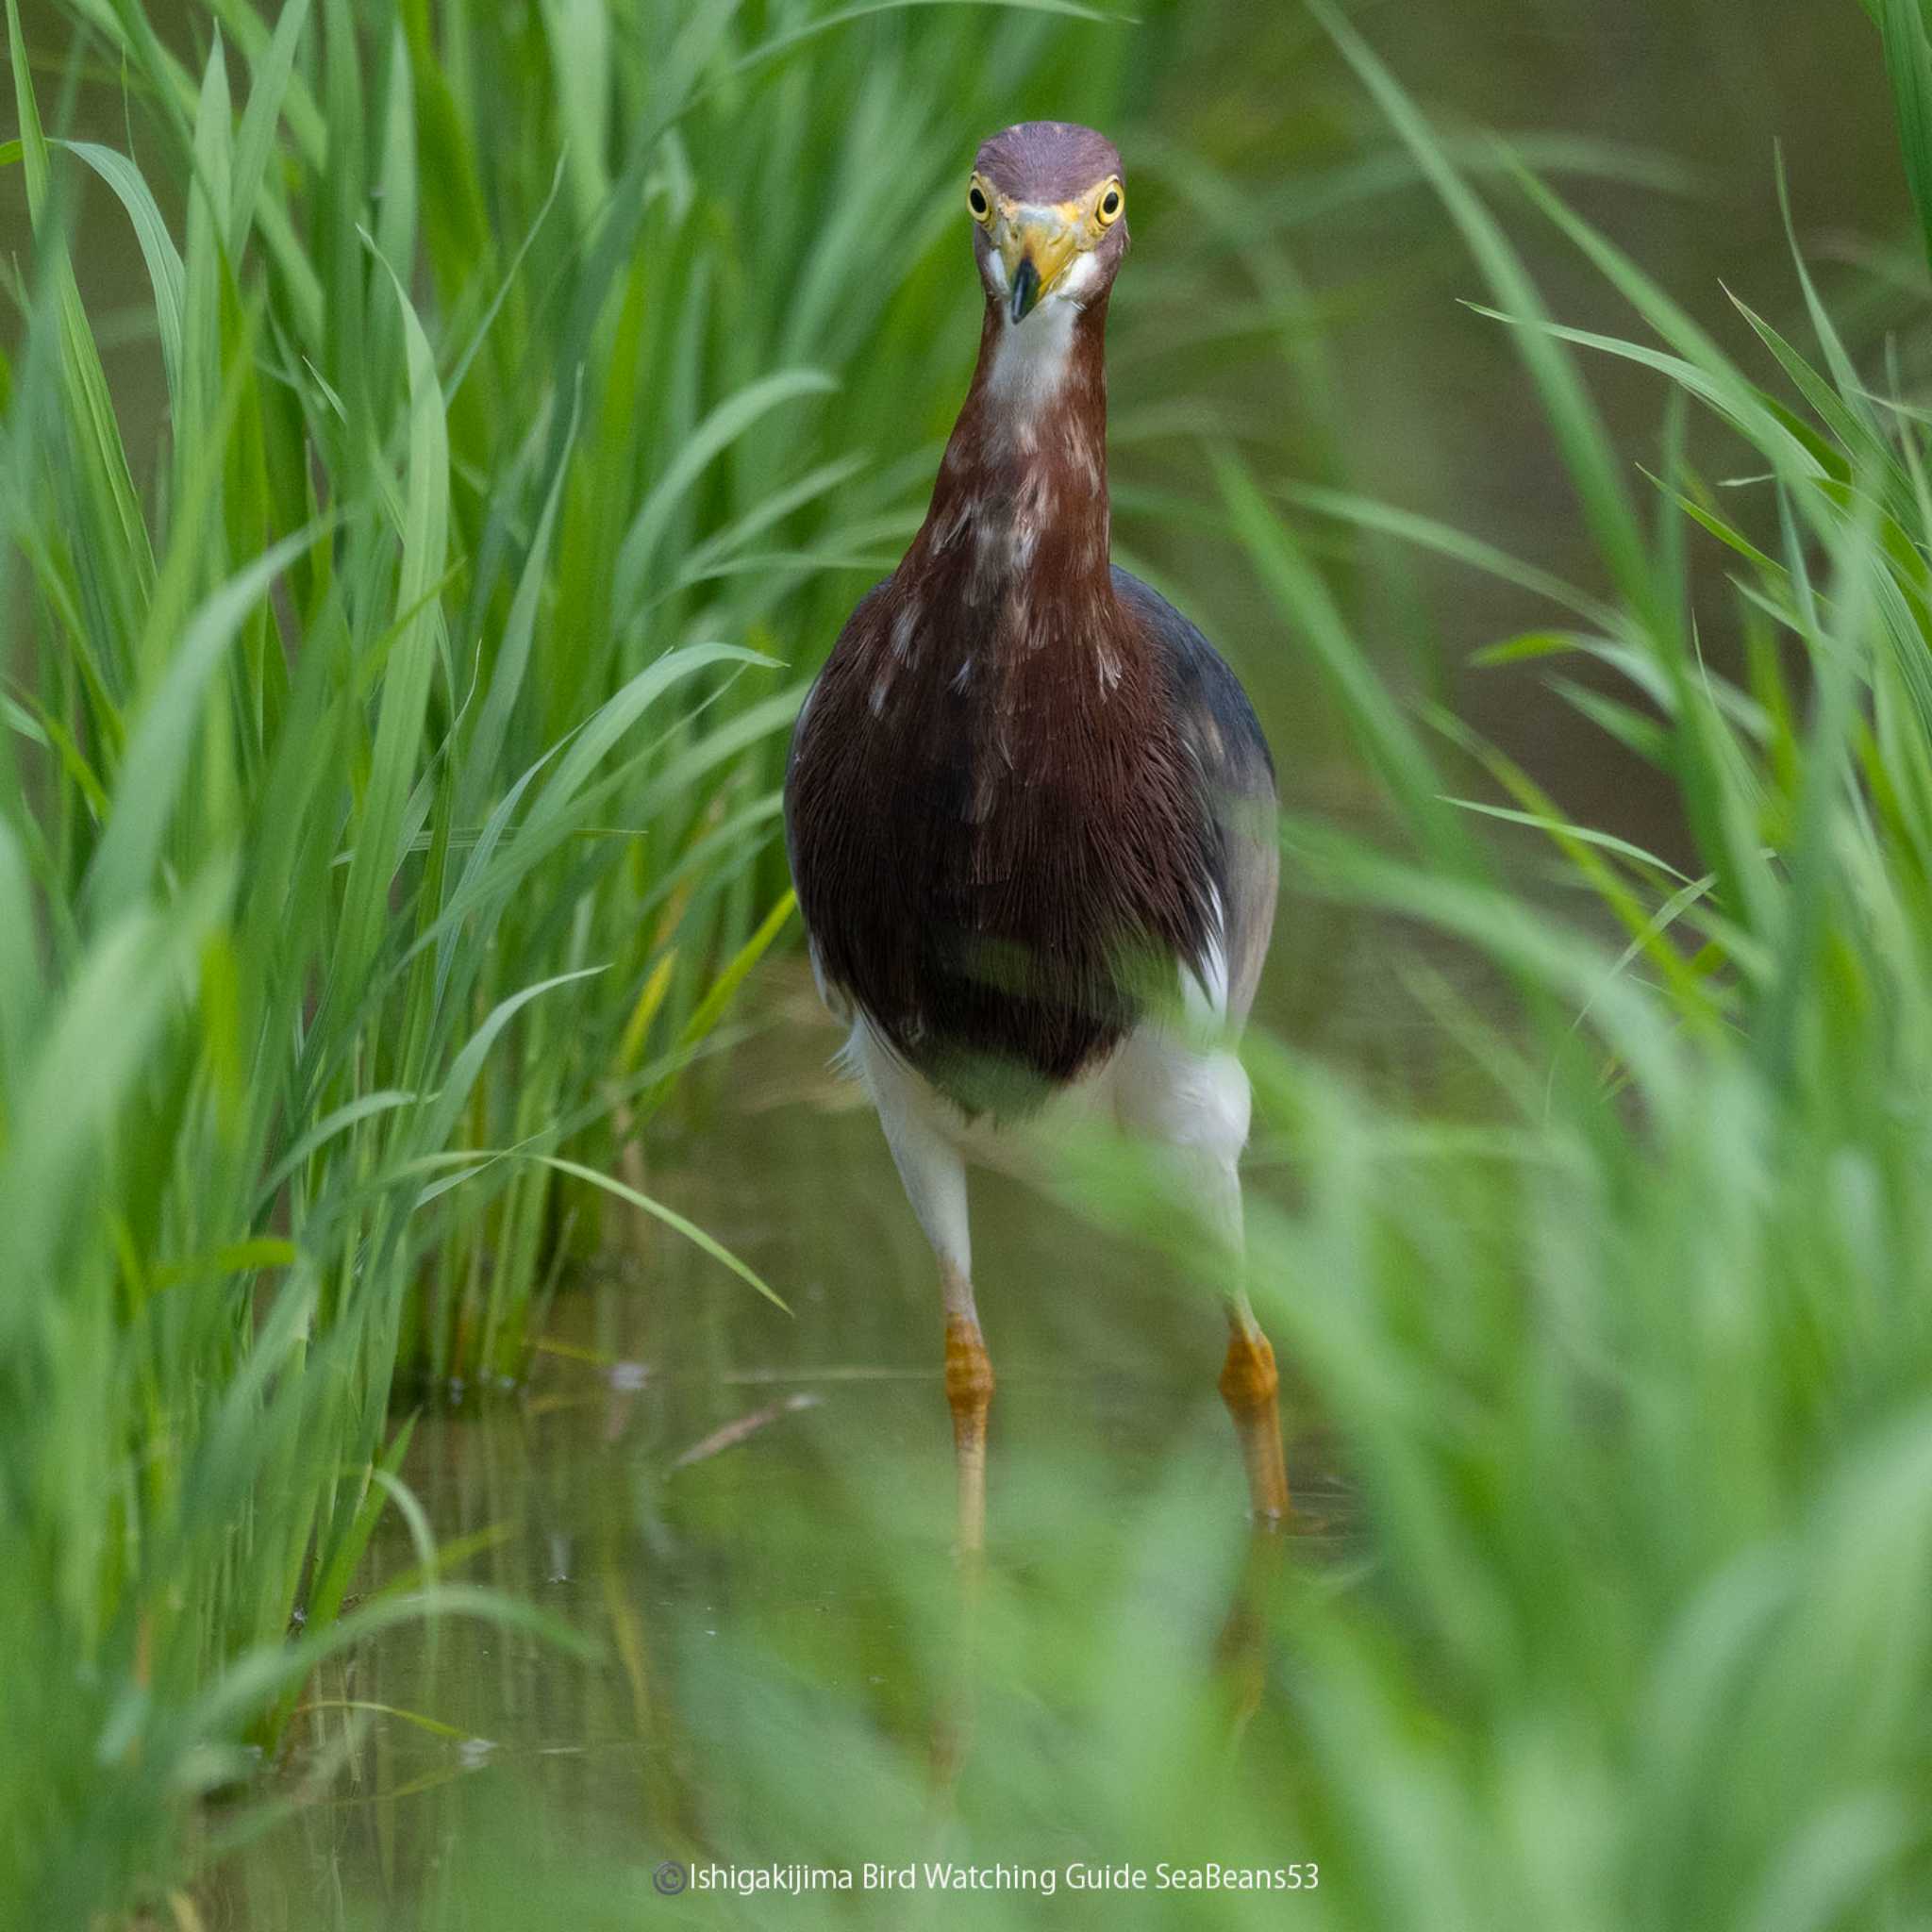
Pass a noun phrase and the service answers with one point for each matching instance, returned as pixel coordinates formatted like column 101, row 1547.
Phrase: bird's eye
column 976, row 201
column 1111, row 202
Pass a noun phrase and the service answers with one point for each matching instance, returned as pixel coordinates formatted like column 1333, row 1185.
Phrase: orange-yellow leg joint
column 969, row 1394
column 1248, row 1385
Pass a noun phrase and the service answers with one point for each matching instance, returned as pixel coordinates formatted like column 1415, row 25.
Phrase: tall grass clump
column 388, row 756
column 1633, row 1359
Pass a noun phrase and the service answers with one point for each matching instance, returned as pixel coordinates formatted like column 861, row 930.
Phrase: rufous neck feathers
column 1020, row 510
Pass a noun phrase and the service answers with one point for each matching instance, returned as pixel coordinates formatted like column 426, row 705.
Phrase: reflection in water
column 751, row 1515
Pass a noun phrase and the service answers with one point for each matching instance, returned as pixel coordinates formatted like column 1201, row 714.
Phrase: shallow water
column 748, row 1514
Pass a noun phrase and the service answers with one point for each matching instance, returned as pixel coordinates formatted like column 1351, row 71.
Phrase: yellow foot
column 1249, row 1386
column 969, row 1394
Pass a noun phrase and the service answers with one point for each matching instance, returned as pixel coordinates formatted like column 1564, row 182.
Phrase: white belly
column 1175, row 1084
column 1156, row 1085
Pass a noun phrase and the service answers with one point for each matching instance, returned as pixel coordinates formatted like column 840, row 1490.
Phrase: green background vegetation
column 437, row 445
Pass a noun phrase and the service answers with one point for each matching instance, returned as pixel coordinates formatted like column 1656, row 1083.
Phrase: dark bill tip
column 1026, row 289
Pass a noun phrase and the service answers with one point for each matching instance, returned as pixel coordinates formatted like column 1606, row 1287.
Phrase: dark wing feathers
column 1147, row 811
column 1225, row 737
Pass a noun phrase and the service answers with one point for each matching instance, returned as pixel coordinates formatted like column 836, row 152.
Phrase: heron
column 1029, row 809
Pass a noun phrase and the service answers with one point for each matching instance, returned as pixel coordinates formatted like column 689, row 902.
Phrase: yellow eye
column 1113, row 200
column 978, row 201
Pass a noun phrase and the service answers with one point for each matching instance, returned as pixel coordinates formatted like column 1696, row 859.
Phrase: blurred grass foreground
column 386, row 830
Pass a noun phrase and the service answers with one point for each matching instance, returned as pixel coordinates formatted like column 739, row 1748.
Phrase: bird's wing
column 838, row 1003
column 1224, row 738
column 830, row 993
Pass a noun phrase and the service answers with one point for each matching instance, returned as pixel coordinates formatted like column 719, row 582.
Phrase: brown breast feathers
column 997, row 832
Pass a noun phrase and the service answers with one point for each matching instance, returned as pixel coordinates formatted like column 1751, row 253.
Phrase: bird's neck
column 1018, row 527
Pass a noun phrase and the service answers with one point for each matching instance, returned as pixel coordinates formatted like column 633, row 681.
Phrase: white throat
column 1029, row 362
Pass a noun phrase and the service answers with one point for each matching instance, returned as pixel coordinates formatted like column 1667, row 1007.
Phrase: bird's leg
column 1240, row 1653
column 969, row 1394
column 1248, row 1380
column 935, row 1178
column 1248, row 1386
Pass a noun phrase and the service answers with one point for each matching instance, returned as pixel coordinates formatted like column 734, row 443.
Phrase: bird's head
column 1049, row 216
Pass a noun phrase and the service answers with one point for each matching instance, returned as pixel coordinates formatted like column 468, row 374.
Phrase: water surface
column 749, row 1513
